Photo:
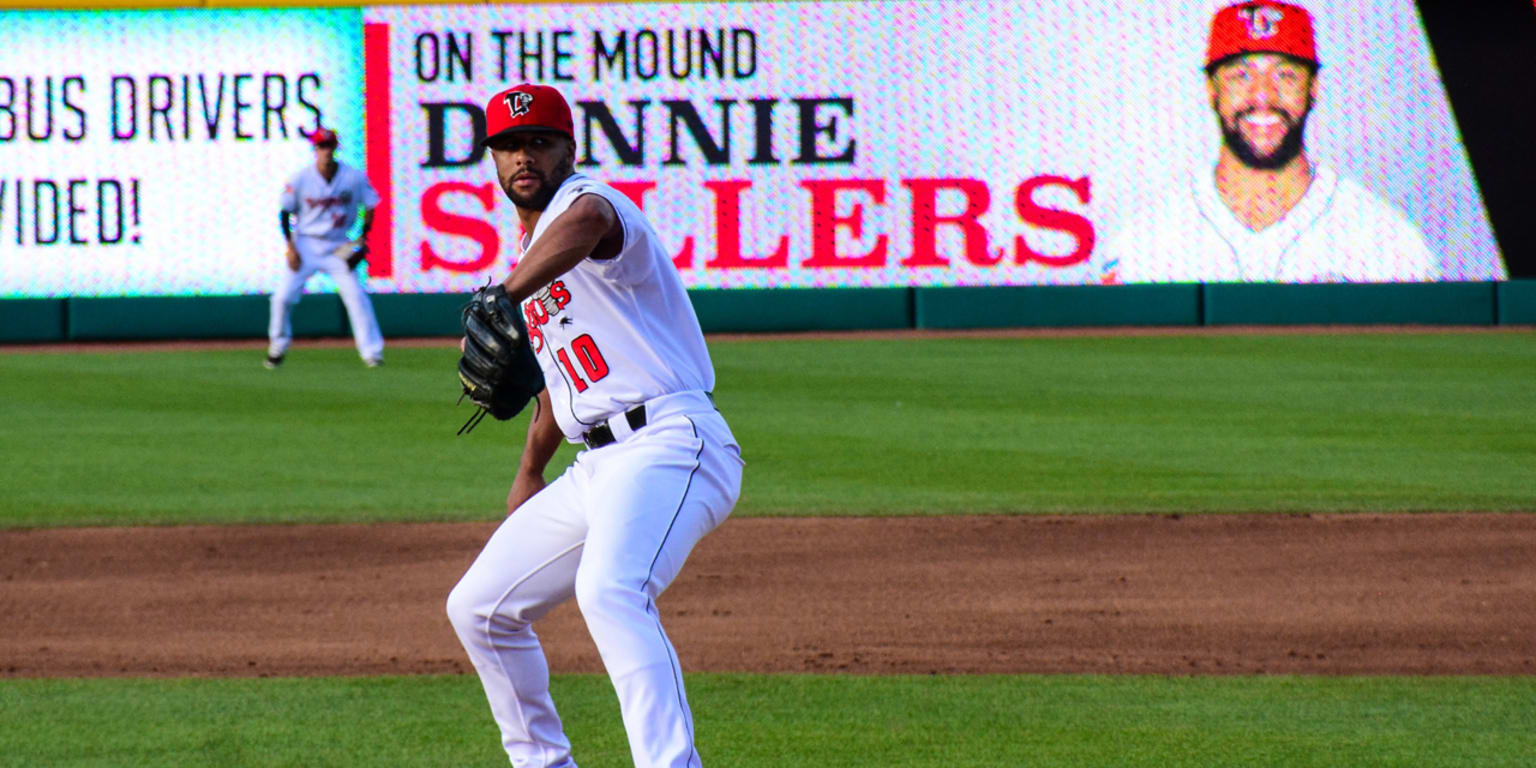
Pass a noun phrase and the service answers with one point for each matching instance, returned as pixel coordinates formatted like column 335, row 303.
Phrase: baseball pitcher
column 594, row 327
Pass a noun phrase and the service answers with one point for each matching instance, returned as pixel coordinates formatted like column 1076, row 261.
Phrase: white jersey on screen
column 323, row 209
column 1339, row 232
column 617, row 332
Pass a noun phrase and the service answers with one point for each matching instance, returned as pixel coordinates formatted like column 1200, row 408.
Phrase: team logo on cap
column 1263, row 21
column 518, row 102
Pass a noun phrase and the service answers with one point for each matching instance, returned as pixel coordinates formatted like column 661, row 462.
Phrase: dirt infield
column 1331, row 595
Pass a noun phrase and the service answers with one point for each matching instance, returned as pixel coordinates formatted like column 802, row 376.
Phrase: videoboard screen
column 795, row 144
column 143, row 153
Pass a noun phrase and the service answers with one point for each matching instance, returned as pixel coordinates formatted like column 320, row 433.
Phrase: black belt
column 602, row 434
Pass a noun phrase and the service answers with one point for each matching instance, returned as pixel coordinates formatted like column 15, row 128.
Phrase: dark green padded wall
column 803, row 309
column 1055, row 306
column 830, row 309
column 1349, row 303
column 1516, row 302
column 32, row 320
column 198, row 317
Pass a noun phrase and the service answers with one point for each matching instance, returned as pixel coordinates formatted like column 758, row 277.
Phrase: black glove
column 499, row 371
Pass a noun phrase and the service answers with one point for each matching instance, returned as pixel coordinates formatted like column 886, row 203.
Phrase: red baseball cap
column 527, row 107
column 323, row 137
column 1261, row 27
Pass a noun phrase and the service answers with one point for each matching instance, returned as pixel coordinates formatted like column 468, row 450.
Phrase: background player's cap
column 527, row 107
column 323, row 137
column 1261, row 27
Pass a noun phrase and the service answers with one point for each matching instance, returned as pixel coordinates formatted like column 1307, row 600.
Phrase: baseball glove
column 498, row 369
column 353, row 252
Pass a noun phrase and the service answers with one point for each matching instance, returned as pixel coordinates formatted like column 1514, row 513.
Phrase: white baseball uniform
column 324, row 214
column 1339, row 232
column 622, row 352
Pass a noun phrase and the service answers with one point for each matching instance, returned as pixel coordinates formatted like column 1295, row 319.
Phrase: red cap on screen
column 1261, row 27
column 527, row 107
column 323, row 137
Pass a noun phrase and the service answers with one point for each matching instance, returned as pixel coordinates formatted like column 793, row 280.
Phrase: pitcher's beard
column 1288, row 149
column 548, row 186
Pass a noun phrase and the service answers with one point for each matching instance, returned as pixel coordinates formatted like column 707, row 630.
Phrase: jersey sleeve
column 366, row 194
column 289, row 200
column 1414, row 259
column 632, row 265
column 1400, row 254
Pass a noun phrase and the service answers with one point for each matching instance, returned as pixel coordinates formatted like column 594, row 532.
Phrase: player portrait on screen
column 1268, row 211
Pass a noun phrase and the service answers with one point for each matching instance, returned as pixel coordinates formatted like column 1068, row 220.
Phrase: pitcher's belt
column 602, row 434
column 611, row 430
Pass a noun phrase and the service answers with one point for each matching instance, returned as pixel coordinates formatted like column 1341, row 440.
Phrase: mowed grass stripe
column 1202, row 423
column 747, row 721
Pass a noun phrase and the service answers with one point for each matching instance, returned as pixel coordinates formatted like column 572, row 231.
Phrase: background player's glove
column 353, row 252
column 498, row 369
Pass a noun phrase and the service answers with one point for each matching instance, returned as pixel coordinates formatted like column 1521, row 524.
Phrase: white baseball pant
column 613, row 531
column 317, row 255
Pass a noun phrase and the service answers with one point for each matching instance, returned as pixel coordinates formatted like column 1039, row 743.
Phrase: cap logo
column 1263, row 21
column 518, row 102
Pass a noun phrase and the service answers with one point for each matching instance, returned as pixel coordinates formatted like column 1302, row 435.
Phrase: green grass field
column 1383, row 422
column 1219, row 424
column 770, row 722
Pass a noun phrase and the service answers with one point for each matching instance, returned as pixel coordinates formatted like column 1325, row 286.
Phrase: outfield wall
column 822, row 215
column 795, row 310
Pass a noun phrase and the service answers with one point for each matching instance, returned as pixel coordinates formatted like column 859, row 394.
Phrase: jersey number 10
column 590, row 358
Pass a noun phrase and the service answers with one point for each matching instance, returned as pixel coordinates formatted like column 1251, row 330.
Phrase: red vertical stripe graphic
column 376, row 113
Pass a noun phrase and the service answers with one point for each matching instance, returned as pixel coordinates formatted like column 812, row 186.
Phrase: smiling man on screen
column 1268, row 212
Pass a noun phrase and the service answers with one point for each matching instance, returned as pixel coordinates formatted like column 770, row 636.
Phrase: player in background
column 1268, row 212
column 627, row 374
column 325, row 197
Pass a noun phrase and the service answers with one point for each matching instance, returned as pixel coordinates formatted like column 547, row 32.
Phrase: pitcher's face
column 531, row 165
